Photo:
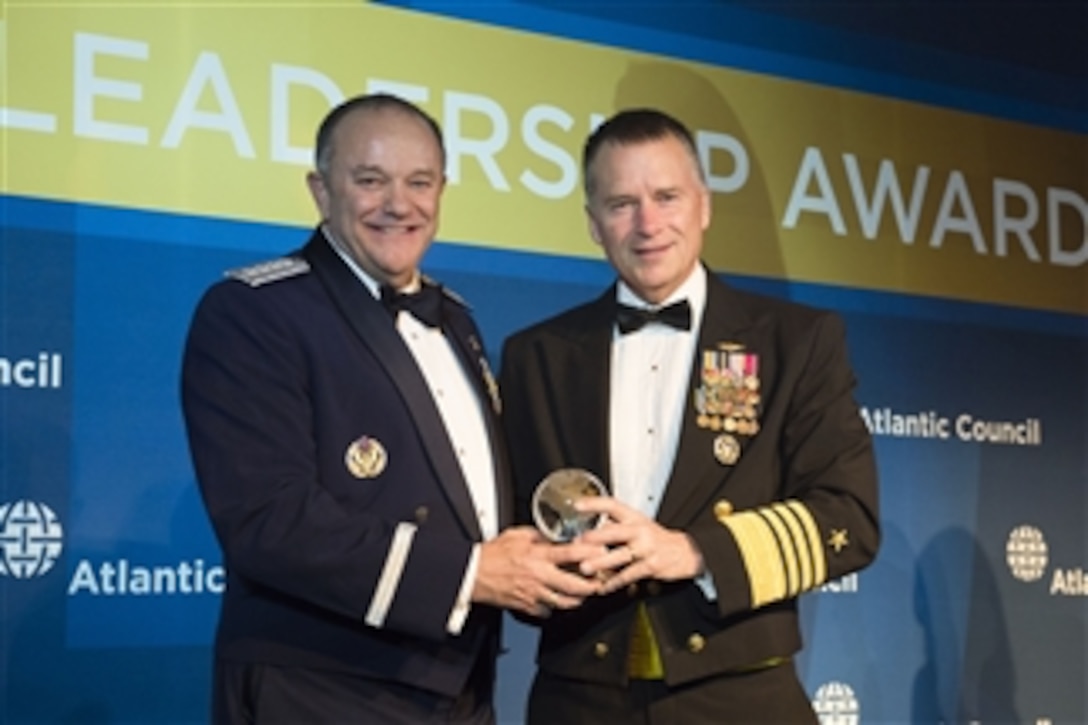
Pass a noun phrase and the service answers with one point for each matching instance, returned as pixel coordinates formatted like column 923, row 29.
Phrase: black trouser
column 258, row 693
column 772, row 695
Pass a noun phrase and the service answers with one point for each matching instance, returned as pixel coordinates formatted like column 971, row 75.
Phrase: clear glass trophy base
column 553, row 504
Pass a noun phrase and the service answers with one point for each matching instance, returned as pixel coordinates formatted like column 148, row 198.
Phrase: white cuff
column 705, row 581
column 463, row 604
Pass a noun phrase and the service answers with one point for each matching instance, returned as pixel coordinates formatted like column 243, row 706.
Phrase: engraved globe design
column 554, row 499
column 836, row 704
column 1026, row 553
column 30, row 539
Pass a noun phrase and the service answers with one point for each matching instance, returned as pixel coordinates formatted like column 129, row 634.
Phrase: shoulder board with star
column 273, row 270
column 446, row 291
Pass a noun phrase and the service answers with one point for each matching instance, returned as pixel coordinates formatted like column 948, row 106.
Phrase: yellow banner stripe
column 808, row 183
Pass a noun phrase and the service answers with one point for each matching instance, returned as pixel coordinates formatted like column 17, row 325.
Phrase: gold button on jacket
column 722, row 509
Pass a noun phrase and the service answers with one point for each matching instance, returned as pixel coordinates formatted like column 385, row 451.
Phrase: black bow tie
column 425, row 304
column 677, row 315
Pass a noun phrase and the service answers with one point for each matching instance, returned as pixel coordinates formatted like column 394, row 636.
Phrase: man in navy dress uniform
column 724, row 426
column 343, row 424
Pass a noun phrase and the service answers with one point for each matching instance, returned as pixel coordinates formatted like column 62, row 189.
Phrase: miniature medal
column 728, row 398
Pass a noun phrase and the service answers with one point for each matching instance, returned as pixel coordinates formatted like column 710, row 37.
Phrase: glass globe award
column 554, row 499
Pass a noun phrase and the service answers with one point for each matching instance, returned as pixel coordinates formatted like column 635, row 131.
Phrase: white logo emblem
column 1026, row 553
column 30, row 539
column 836, row 704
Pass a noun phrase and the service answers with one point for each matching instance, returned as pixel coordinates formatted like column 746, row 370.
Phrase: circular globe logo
column 1026, row 553
column 836, row 704
column 30, row 539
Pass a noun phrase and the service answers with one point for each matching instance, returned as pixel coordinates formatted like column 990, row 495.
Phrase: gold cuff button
column 600, row 650
column 722, row 509
column 696, row 643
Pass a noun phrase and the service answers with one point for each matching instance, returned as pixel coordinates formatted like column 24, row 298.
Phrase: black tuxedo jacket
column 797, row 506
column 317, row 445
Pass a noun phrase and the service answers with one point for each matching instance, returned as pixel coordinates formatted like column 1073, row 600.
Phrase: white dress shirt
column 462, row 414
column 650, row 392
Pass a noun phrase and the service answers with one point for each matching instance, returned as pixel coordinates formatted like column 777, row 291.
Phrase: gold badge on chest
column 727, row 449
column 366, row 457
column 728, row 398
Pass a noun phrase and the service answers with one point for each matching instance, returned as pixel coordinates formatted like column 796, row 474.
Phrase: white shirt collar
column 693, row 290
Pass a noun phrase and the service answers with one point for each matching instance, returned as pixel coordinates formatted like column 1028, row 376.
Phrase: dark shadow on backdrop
column 680, row 91
column 1044, row 487
column 968, row 673
column 866, row 639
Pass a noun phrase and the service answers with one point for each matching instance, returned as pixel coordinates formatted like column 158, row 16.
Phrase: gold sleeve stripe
column 781, row 549
column 786, row 549
column 816, row 546
column 798, row 550
column 761, row 556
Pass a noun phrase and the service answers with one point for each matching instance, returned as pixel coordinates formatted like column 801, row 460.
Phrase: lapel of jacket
column 371, row 322
column 696, row 472
column 581, row 372
column 468, row 344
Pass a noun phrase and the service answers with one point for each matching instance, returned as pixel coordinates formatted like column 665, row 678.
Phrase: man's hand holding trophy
column 572, row 504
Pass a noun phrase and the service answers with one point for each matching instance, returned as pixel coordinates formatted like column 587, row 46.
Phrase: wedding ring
column 632, row 554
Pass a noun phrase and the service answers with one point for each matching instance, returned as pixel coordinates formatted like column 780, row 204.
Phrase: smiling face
column 379, row 191
column 648, row 208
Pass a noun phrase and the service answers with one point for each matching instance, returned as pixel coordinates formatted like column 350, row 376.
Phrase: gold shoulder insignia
column 273, row 270
column 424, row 279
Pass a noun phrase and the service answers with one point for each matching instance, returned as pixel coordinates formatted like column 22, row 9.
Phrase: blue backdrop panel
column 44, row 678
column 138, row 511
column 975, row 611
column 941, row 628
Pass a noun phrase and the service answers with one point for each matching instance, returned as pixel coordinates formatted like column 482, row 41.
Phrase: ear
column 319, row 192
column 594, row 228
column 705, row 212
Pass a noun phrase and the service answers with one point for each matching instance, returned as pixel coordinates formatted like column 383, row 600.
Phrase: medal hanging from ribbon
column 728, row 398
